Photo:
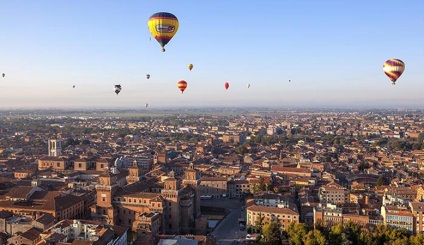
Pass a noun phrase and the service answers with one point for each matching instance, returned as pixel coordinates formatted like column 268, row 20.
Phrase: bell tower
column 134, row 174
column 55, row 147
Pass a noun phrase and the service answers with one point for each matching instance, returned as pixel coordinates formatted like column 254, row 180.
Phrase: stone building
column 173, row 210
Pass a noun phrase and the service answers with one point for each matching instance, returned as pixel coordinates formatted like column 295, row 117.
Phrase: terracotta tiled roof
column 45, row 219
column 214, row 179
column 19, row 191
column 31, row 234
column 274, row 210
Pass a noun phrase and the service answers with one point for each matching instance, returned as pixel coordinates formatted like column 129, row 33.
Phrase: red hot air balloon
column 182, row 85
column 226, row 85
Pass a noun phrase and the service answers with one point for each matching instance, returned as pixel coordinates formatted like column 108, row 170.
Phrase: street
column 228, row 229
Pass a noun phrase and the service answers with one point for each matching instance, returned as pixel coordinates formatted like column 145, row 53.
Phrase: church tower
column 55, row 147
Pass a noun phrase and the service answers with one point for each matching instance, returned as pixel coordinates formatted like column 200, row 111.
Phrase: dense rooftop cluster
column 92, row 177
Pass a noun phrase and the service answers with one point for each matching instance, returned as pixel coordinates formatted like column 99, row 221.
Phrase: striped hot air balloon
column 182, row 85
column 393, row 69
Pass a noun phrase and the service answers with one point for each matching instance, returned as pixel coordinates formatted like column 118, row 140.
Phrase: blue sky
column 332, row 51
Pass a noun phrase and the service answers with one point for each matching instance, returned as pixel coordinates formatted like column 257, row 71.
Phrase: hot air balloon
column 289, row 80
column 73, row 86
column 182, row 85
column 393, row 69
column 147, row 76
column 117, row 89
column 147, row 105
column 3, row 74
column 248, row 85
column 226, row 85
column 163, row 27
column 190, row 66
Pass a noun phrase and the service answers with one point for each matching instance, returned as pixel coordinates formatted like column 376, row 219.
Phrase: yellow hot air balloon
column 190, row 66
column 393, row 69
column 163, row 27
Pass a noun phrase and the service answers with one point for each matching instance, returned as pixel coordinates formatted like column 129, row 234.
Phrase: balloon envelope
column 248, row 85
column 226, row 85
column 190, row 66
column 182, row 85
column 163, row 27
column 393, row 69
column 148, row 76
column 117, row 89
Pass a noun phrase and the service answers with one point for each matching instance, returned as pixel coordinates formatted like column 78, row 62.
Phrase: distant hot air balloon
column 147, row 105
column 163, row 27
column 289, row 80
column 73, row 86
column 226, row 85
column 3, row 74
column 190, row 66
column 117, row 89
column 182, row 85
column 147, row 76
column 393, row 69
column 248, row 85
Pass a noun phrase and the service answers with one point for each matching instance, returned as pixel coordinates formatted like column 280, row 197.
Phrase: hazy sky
column 332, row 51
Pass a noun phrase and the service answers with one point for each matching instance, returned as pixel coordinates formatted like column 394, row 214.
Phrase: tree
column 314, row 237
column 353, row 230
column 380, row 181
column 271, row 232
column 296, row 232
column 258, row 223
column 421, row 138
column 241, row 150
column 262, row 185
column 416, row 240
column 400, row 241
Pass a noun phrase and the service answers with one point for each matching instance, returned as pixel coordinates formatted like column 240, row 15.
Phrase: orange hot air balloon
column 182, row 85
column 226, row 85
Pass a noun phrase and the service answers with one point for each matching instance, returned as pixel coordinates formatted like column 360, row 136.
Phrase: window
column 79, row 165
column 58, row 164
column 104, row 199
column 101, row 165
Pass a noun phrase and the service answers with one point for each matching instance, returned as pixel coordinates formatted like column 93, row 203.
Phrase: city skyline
column 331, row 52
